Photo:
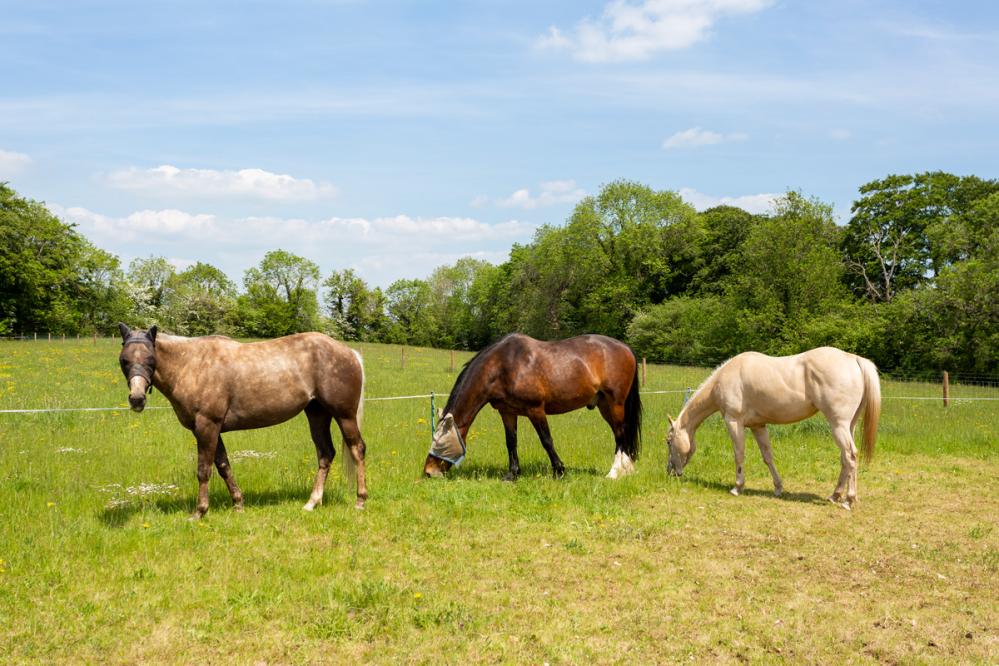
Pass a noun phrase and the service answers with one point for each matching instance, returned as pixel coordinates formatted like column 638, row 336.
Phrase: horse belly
column 259, row 409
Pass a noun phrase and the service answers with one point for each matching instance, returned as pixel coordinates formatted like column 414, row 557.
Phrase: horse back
column 564, row 374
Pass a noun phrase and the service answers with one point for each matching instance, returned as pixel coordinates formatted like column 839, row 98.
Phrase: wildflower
column 50, row 504
column 145, row 525
column 417, row 596
column 421, row 421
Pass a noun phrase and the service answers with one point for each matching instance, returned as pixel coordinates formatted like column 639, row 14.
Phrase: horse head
column 681, row 447
column 138, row 363
column 446, row 449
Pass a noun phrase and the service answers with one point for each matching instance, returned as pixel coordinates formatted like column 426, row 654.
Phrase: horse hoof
column 308, row 506
column 510, row 476
column 735, row 491
column 359, row 505
column 238, row 507
column 841, row 504
column 778, row 492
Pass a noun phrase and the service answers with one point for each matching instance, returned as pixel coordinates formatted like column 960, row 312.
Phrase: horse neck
column 170, row 362
column 700, row 406
column 471, row 398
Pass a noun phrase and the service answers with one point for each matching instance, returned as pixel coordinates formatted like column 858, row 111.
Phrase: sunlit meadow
column 99, row 562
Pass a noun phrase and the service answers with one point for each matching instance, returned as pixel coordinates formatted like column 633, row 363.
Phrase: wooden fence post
column 946, row 387
column 50, row 336
column 643, row 371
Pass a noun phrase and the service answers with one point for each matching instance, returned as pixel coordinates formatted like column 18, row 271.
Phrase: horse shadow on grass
column 804, row 498
column 477, row 470
column 118, row 516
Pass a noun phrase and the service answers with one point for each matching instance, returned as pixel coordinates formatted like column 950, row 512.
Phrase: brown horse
column 216, row 384
column 521, row 376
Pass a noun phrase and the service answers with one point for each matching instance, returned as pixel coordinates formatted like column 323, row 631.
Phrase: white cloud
column 12, row 163
column 753, row 203
column 383, row 249
column 695, row 136
column 187, row 227
column 168, row 222
column 550, row 193
column 211, row 183
column 627, row 31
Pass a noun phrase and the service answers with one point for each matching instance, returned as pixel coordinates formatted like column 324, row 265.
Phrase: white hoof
column 735, row 491
column 623, row 466
column 309, row 506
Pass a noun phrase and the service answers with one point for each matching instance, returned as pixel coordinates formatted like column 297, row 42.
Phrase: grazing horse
column 521, row 376
column 751, row 390
column 216, row 384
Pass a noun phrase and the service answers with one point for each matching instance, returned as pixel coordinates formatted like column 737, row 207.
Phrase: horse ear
column 440, row 413
column 670, row 418
column 124, row 329
column 152, row 333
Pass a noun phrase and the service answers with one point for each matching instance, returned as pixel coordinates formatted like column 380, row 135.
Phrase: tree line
column 910, row 281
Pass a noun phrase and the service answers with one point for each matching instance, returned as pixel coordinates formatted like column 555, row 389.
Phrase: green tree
column 725, row 229
column 889, row 241
column 200, row 300
column 280, row 296
column 410, row 313
column 147, row 282
column 51, row 278
column 354, row 308
column 788, row 270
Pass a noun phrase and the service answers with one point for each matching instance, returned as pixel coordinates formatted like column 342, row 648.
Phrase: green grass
column 472, row 569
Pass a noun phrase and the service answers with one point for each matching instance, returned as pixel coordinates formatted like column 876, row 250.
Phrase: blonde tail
column 872, row 406
column 360, row 403
column 349, row 466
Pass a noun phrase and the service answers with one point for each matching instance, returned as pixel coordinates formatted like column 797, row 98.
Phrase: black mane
column 464, row 374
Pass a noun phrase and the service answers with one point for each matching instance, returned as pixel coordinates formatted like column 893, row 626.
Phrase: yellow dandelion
column 421, row 421
column 145, row 525
column 50, row 504
column 417, row 596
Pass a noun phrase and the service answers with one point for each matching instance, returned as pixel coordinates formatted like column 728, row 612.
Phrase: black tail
column 631, row 444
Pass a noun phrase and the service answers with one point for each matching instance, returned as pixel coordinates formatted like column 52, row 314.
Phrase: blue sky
column 392, row 137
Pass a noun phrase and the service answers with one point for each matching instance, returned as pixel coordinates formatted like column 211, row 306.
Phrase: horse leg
column 738, row 434
column 540, row 424
column 510, row 427
column 763, row 440
column 225, row 471
column 355, row 443
column 614, row 415
column 319, row 427
column 207, row 434
column 848, row 466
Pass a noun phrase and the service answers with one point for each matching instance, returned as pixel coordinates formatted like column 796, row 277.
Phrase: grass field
column 99, row 563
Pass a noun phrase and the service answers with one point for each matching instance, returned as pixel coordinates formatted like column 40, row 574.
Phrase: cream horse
column 751, row 390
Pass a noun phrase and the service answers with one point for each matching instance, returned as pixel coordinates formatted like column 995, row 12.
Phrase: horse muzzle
column 435, row 467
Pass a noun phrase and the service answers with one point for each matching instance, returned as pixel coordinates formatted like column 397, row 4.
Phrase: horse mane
column 703, row 385
column 473, row 362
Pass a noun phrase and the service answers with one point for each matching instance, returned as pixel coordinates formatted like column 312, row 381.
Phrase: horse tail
column 360, row 402
column 872, row 406
column 632, row 444
column 349, row 466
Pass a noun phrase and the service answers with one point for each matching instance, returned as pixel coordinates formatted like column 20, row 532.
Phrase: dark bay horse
column 521, row 376
column 216, row 384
